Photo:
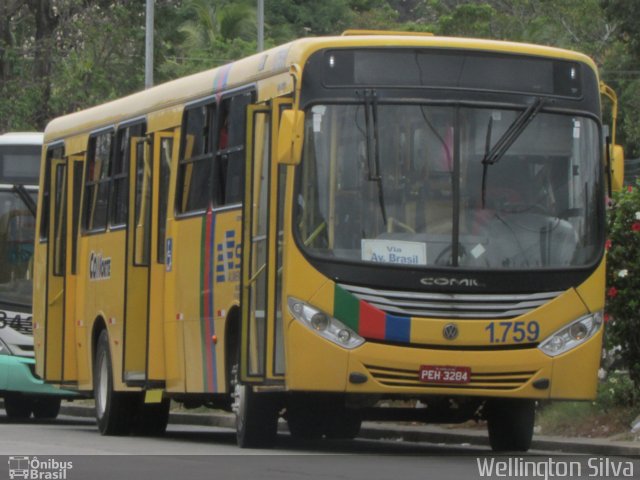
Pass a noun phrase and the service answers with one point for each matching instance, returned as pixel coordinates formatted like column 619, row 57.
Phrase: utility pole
column 148, row 46
column 260, row 25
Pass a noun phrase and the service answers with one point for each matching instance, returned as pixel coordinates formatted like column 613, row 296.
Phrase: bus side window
column 232, row 121
column 119, row 201
column 196, row 159
column 52, row 153
column 96, row 198
column 60, row 220
column 166, row 149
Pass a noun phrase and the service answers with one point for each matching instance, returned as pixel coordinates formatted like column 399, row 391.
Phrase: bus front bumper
column 393, row 370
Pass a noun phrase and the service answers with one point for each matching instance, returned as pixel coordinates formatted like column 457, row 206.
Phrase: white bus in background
column 24, row 394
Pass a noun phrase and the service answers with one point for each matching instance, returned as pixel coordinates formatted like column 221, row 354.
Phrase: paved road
column 192, row 452
column 79, row 436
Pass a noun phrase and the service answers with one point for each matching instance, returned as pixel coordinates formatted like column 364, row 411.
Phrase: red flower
column 635, row 227
column 607, row 318
column 612, row 293
column 629, row 189
column 607, row 245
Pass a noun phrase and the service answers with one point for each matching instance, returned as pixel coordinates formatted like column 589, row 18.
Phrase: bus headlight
column 324, row 325
column 572, row 335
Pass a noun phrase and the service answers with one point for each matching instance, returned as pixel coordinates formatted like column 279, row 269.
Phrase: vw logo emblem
column 450, row 331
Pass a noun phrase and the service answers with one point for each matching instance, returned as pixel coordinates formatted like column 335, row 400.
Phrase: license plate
column 444, row 374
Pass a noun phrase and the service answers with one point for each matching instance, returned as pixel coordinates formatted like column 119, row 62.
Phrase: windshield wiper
column 373, row 149
column 26, row 198
column 494, row 154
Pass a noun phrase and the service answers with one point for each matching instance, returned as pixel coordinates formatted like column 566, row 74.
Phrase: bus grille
column 451, row 305
column 392, row 377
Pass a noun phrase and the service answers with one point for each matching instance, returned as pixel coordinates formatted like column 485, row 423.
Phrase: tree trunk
column 46, row 22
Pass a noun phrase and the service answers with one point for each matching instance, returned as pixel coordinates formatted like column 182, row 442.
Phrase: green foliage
column 622, row 68
column 213, row 32
column 623, row 278
column 617, row 391
column 288, row 19
column 57, row 56
column 468, row 20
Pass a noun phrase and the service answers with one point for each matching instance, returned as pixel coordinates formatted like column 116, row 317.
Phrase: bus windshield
column 410, row 185
column 19, row 168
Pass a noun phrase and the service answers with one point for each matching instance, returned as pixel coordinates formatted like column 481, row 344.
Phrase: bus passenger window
column 52, row 153
column 60, row 220
column 196, row 159
column 118, row 213
column 230, row 155
column 96, row 199
column 142, row 219
column 166, row 148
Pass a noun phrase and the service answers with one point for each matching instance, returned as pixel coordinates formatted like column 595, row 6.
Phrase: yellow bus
column 371, row 226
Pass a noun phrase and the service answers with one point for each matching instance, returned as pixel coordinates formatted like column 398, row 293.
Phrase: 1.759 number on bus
column 516, row 332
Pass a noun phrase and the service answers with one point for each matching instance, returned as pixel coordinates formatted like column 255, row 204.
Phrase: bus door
column 150, row 169
column 262, row 343
column 163, row 145
column 136, row 323
column 74, row 186
column 56, row 269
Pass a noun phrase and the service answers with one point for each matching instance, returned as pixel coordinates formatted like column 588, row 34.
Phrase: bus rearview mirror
column 617, row 168
column 290, row 137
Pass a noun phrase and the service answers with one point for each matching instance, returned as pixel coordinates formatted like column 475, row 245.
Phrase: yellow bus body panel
column 189, row 353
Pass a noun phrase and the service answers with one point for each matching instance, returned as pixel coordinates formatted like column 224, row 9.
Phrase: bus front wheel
column 510, row 423
column 256, row 415
column 113, row 409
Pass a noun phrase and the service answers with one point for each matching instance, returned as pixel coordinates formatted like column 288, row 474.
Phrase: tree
column 623, row 278
column 213, row 32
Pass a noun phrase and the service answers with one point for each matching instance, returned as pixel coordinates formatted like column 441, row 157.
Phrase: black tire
column 256, row 415
column 46, row 407
column 151, row 419
column 510, row 423
column 344, row 425
column 17, row 406
column 114, row 410
column 306, row 417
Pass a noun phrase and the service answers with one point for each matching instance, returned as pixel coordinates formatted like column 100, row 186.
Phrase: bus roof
column 21, row 138
column 264, row 64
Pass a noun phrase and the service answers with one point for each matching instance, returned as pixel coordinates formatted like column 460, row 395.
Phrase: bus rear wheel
column 510, row 423
column 113, row 409
column 151, row 419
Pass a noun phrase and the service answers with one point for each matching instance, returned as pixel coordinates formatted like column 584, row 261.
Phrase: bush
column 616, row 391
column 623, row 278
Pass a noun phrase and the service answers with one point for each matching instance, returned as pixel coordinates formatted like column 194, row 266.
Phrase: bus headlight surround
column 324, row 325
column 572, row 335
